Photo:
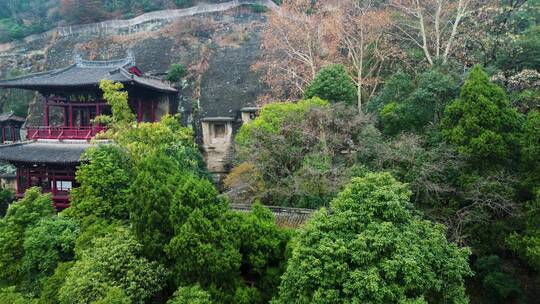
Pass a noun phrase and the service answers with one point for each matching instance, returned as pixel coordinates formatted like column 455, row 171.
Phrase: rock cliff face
column 217, row 43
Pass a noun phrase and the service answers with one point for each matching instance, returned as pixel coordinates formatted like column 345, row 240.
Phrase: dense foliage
column 414, row 129
column 481, row 122
column 146, row 226
column 370, row 248
column 333, row 84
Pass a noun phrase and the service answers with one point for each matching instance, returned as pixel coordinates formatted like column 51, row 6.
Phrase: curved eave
column 36, row 152
column 32, row 87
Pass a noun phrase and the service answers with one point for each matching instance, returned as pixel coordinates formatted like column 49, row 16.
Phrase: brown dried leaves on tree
column 293, row 48
column 302, row 37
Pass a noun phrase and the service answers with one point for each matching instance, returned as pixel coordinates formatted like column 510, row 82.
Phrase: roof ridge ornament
column 130, row 58
column 78, row 59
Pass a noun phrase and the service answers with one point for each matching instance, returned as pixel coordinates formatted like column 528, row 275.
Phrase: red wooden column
column 28, row 181
column 70, row 110
column 65, row 116
column 3, row 134
column 46, row 115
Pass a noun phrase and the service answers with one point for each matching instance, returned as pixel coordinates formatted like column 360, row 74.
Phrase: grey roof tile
column 46, row 152
column 10, row 116
column 87, row 73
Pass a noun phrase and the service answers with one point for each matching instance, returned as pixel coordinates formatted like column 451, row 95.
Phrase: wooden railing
column 87, row 132
column 60, row 198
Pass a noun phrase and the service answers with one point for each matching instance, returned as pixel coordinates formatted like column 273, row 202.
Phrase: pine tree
column 481, row 122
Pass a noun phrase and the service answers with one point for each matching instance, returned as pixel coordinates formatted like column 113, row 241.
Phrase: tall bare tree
column 304, row 35
column 357, row 32
column 293, row 48
column 432, row 25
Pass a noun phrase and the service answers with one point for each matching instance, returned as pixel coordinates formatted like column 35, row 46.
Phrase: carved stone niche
column 248, row 114
column 217, row 141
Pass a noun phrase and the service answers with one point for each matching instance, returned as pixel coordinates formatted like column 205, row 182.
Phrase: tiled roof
column 44, row 152
column 87, row 73
column 285, row 216
column 11, row 116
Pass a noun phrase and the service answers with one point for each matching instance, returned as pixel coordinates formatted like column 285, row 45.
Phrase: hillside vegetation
column 411, row 128
column 25, row 17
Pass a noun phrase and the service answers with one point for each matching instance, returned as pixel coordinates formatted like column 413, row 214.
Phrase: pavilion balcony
column 60, row 198
column 61, row 133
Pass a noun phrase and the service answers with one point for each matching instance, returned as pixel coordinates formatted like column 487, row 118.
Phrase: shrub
column 176, row 72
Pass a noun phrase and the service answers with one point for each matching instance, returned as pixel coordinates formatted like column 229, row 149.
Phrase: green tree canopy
column 370, row 248
column 104, row 179
column 530, row 150
column 151, row 195
column 112, row 262
column 190, row 295
column 528, row 243
column 423, row 105
column 50, row 242
column 202, row 248
column 481, row 122
column 397, row 86
column 20, row 216
column 332, row 83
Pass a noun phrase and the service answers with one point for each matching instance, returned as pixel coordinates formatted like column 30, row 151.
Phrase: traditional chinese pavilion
column 10, row 125
column 71, row 99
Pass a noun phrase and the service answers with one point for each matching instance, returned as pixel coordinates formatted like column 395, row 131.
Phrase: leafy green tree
column 425, row 104
column 11, row 296
column 51, row 285
column 190, row 295
column 202, row 249
column 151, row 195
column 114, row 295
column 6, row 198
column 263, row 247
column 501, row 286
column 530, row 150
column 481, row 122
column 112, row 262
column 527, row 245
column 370, row 248
column 97, row 229
column 20, row 216
column 104, row 181
column 332, row 83
column 167, row 137
column 397, row 86
column 296, row 151
column 48, row 243
column 121, row 117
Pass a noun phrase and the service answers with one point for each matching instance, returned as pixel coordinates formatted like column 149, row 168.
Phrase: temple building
column 70, row 100
column 11, row 125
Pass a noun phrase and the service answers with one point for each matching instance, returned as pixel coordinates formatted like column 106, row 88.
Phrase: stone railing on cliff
column 284, row 216
column 130, row 25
